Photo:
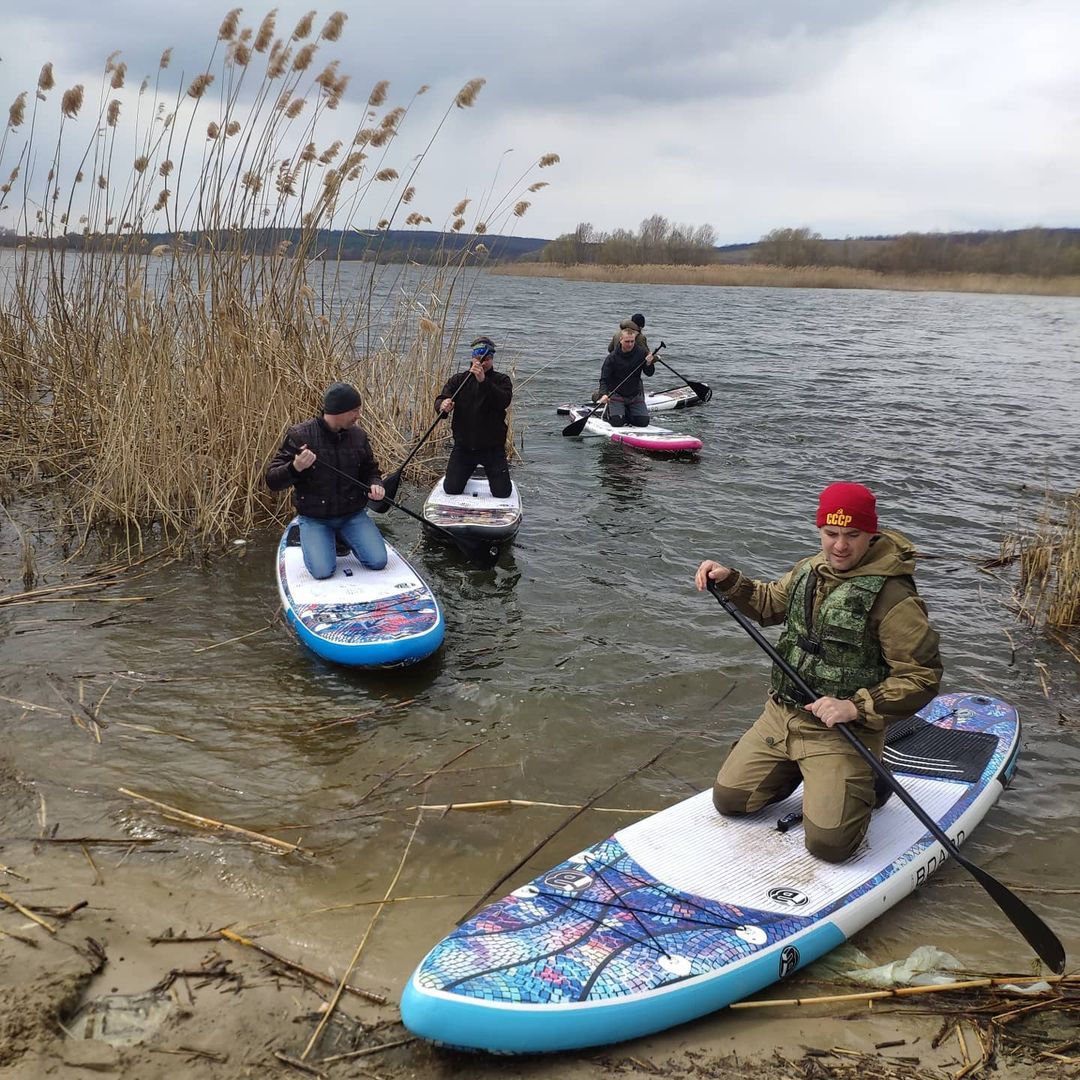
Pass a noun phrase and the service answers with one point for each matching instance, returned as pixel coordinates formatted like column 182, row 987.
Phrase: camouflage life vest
column 836, row 654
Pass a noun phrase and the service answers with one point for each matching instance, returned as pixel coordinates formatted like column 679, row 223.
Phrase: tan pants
column 788, row 746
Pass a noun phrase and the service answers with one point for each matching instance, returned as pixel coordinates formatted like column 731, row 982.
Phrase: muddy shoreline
column 219, row 1008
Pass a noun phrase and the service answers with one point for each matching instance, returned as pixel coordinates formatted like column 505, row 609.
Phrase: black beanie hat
column 340, row 398
column 639, row 320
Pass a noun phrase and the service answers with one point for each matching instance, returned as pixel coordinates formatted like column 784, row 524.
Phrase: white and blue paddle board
column 685, row 911
column 475, row 514
column 360, row 617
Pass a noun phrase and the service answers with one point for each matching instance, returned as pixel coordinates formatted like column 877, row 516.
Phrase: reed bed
column 801, row 277
column 1047, row 592
column 146, row 387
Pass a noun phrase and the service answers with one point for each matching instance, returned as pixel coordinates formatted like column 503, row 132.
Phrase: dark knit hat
column 340, row 397
column 638, row 320
column 483, row 342
column 848, row 506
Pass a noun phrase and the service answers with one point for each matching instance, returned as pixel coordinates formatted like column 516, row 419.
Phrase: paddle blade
column 1037, row 934
column 390, row 486
column 703, row 391
column 483, row 553
column 577, row 427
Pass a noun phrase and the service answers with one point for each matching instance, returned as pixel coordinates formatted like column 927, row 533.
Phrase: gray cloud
column 870, row 117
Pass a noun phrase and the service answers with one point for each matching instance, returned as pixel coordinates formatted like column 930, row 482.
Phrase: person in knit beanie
column 331, row 496
column 857, row 631
column 635, row 323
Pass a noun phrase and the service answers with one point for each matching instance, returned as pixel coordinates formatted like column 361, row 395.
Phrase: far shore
column 805, row 277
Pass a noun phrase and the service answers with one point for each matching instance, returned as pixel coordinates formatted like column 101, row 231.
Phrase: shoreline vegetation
column 796, row 277
column 149, row 393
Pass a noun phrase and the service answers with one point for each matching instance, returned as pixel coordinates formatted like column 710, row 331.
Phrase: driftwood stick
column 210, row 823
column 295, row 1063
column 95, row 840
column 905, row 991
column 13, row 903
column 152, row 730
column 427, row 776
column 363, row 941
column 503, row 804
column 385, row 780
column 229, row 641
column 551, row 836
column 357, row 716
column 13, row 873
column 368, row 1050
column 229, row 935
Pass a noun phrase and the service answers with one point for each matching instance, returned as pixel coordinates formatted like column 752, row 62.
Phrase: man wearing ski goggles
column 476, row 400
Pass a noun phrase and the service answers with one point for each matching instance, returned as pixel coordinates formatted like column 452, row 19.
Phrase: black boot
column 882, row 792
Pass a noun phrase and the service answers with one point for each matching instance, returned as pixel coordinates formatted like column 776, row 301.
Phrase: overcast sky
column 853, row 117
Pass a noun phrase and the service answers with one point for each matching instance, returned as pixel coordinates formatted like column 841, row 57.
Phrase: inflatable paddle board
column 366, row 618
column 475, row 513
column 684, row 912
column 679, row 397
column 659, row 440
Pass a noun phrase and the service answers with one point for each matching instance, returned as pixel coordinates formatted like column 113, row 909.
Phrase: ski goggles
column 480, row 351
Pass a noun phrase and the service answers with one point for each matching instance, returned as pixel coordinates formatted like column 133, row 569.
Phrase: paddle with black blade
column 481, row 552
column 703, row 390
column 1037, row 934
column 578, row 426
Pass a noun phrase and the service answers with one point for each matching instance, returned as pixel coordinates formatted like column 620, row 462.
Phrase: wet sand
column 228, row 1010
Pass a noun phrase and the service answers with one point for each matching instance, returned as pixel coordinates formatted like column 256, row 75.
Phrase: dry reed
column 148, row 385
column 1047, row 592
column 803, row 277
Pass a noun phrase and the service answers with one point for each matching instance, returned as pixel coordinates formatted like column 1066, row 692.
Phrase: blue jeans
column 318, row 542
column 632, row 411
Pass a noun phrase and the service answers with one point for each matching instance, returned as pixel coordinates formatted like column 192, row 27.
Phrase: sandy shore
column 218, row 1008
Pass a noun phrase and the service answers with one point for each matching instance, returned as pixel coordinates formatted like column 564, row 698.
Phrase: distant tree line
column 1037, row 251
column 656, row 241
column 369, row 245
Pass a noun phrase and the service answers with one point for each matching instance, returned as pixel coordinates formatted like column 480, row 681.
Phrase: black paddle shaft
column 1037, row 934
column 576, row 427
column 393, row 480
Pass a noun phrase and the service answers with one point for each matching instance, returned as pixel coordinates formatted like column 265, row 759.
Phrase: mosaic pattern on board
column 407, row 615
column 595, row 929
column 599, row 927
column 466, row 515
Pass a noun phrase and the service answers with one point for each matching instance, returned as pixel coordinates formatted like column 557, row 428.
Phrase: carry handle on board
column 1037, row 934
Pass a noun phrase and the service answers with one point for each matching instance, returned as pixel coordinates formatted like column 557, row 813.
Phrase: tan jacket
column 909, row 644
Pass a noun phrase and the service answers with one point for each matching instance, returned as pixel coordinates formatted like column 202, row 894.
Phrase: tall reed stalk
column 1048, row 588
column 147, row 386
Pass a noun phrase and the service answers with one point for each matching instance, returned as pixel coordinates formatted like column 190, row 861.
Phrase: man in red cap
column 857, row 631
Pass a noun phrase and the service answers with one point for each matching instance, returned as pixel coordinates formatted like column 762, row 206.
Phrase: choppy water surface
column 587, row 650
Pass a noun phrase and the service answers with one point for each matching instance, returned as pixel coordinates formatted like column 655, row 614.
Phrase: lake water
column 587, row 650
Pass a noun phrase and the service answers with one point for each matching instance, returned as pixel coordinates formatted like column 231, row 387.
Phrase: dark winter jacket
column 479, row 415
column 319, row 491
column 620, row 366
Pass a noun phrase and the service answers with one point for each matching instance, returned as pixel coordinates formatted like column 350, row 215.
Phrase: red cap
column 848, row 506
